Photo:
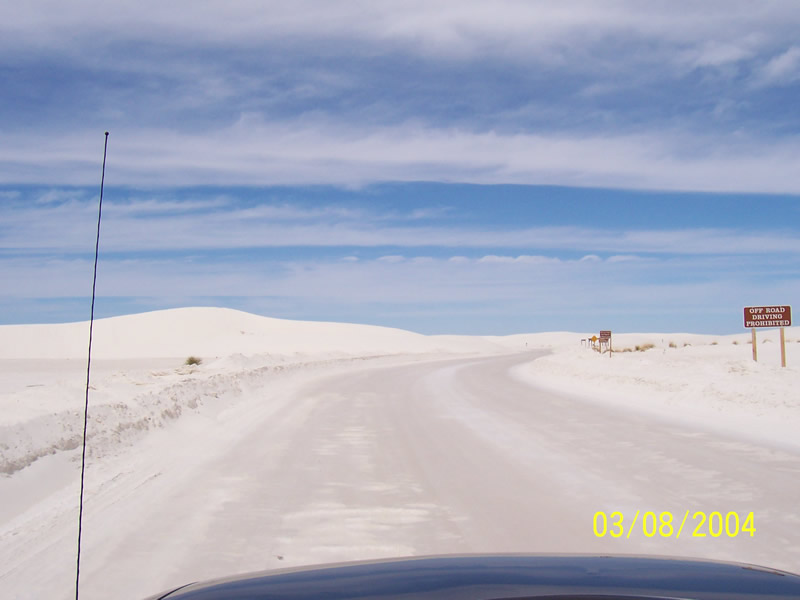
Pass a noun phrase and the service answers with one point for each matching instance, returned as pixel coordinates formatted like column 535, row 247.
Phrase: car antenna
column 88, row 371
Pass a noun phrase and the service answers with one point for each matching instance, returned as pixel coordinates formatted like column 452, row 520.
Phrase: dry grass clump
column 644, row 347
column 193, row 360
column 673, row 345
column 714, row 343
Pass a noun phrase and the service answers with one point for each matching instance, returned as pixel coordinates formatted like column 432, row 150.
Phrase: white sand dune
column 214, row 332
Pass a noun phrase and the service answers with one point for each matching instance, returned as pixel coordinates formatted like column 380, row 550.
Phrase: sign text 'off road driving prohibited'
column 767, row 316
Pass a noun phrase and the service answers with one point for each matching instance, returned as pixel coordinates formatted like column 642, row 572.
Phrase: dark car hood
column 492, row 577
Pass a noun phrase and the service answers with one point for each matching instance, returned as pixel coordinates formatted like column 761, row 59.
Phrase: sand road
column 431, row 457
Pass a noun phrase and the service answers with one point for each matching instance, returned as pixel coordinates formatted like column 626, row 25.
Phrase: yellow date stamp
column 663, row 524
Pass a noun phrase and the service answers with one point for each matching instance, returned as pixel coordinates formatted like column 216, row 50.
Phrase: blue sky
column 463, row 167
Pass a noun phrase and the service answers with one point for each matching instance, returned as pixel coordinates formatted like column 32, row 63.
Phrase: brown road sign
column 767, row 316
column 605, row 335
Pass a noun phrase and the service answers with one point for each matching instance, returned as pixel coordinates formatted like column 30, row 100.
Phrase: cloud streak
column 614, row 94
column 518, row 287
column 457, row 28
column 782, row 69
column 147, row 225
column 266, row 154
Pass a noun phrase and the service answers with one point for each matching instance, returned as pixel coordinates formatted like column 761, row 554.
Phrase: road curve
column 449, row 457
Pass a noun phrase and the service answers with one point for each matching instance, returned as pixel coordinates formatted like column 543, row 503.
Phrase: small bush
column 644, row 347
column 714, row 344
column 735, row 343
column 193, row 360
column 673, row 345
column 686, row 344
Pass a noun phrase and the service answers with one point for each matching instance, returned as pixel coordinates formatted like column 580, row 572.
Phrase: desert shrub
column 714, row 344
column 644, row 347
column 193, row 360
column 673, row 345
column 735, row 343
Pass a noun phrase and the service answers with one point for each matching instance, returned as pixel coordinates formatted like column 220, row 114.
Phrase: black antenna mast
column 88, row 371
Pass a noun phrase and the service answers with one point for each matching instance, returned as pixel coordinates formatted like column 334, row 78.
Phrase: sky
column 450, row 167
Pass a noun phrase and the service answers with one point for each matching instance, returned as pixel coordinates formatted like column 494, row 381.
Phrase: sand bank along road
column 434, row 457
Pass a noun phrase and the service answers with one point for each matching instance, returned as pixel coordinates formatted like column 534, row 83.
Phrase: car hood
column 493, row 577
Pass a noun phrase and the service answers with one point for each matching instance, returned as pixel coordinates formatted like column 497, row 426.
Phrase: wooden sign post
column 756, row 317
column 783, row 348
column 605, row 337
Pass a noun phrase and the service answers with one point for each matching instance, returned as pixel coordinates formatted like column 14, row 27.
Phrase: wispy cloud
column 718, row 54
column 782, row 69
column 518, row 286
column 521, row 259
column 149, row 225
column 264, row 153
column 622, row 94
column 454, row 27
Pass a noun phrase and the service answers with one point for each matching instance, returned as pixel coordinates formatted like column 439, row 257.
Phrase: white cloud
column 716, row 54
column 491, row 258
column 454, row 27
column 622, row 258
column 59, row 196
column 323, row 145
column 69, row 228
column 523, row 259
column 664, row 285
column 292, row 153
column 154, row 206
column 782, row 69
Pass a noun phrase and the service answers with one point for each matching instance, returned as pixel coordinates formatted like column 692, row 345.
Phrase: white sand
column 692, row 378
column 155, row 422
column 215, row 332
